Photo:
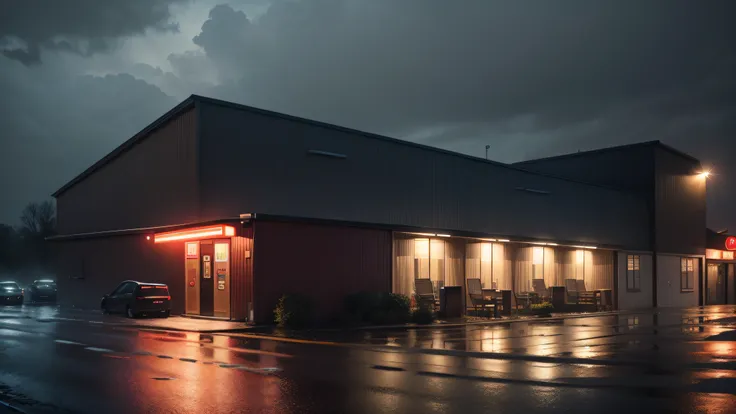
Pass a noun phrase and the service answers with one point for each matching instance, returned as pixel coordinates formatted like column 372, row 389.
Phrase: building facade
column 233, row 206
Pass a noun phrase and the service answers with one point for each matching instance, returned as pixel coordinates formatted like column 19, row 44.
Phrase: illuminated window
column 429, row 257
column 537, row 263
column 221, row 251
column 633, row 270
column 687, row 274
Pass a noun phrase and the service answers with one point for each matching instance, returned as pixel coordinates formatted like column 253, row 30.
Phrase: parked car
column 138, row 298
column 43, row 290
column 10, row 294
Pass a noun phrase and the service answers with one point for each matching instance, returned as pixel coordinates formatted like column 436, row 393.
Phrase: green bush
column 294, row 311
column 379, row 308
column 422, row 316
column 544, row 306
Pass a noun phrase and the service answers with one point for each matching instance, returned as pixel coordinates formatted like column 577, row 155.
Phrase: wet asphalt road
column 632, row 363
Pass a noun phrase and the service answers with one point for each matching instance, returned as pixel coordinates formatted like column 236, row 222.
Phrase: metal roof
column 655, row 143
column 194, row 99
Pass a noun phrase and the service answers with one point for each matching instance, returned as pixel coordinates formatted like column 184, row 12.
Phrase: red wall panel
column 325, row 263
column 241, row 271
column 90, row 268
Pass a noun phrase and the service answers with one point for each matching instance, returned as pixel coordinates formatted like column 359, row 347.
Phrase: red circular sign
column 731, row 243
column 191, row 283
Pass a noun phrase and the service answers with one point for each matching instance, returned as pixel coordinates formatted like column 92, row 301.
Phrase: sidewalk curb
column 474, row 323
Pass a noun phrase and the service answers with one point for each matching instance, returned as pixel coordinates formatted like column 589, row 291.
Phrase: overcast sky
column 529, row 78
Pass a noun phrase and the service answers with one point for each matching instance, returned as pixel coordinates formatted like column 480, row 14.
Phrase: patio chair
column 540, row 288
column 477, row 299
column 425, row 292
column 584, row 295
column 522, row 299
column 571, row 290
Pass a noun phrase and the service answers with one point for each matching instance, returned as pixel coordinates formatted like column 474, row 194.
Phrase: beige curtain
column 523, row 270
column 599, row 273
column 566, row 266
column 404, row 263
column 455, row 262
column 502, row 271
column 550, row 267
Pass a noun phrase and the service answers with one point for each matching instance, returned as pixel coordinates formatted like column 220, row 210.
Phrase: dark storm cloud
column 398, row 65
column 80, row 26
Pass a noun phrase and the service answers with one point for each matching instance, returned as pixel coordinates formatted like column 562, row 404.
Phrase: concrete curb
column 476, row 323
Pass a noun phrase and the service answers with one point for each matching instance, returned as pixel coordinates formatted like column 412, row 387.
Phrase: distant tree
column 39, row 219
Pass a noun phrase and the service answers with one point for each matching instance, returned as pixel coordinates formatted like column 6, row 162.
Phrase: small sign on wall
column 221, row 252
column 192, row 250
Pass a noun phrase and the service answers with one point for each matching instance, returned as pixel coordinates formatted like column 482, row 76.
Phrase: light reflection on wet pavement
column 644, row 362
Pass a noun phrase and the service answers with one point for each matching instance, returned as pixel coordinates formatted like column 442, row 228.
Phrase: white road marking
column 61, row 341
column 92, row 348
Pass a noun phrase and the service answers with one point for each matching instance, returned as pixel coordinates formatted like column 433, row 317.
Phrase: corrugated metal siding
column 241, row 263
column 126, row 193
column 90, row 268
column 680, row 205
column 382, row 181
column 628, row 168
column 324, row 262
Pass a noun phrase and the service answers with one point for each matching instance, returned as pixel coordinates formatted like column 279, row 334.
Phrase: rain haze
column 529, row 78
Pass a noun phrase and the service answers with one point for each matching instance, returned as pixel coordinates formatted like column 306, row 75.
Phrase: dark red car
column 134, row 299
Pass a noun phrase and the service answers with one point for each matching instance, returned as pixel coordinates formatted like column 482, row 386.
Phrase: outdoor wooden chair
column 424, row 293
column 540, row 288
column 571, row 290
column 477, row 299
column 584, row 295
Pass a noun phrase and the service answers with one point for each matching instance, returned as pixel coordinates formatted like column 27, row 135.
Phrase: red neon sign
column 196, row 233
column 731, row 243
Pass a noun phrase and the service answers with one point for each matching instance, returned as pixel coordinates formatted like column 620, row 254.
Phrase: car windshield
column 44, row 284
column 153, row 290
column 9, row 285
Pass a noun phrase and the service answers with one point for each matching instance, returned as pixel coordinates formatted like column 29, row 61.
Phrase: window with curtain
column 633, row 273
column 687, row 277
column 534, row 263
column 479, row 263
column 425, row 258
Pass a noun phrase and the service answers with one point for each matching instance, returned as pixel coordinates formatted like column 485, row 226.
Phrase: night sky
column 529, row 78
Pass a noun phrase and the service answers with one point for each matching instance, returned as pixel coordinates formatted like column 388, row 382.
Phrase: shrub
column 379, row 308
column 394, row 309
column 544, row 306
column 294, row 311
column 422, row 316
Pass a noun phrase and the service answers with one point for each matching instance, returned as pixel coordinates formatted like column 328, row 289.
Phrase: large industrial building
column 233, row 206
